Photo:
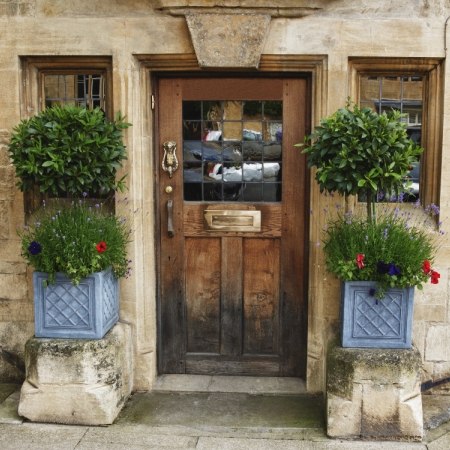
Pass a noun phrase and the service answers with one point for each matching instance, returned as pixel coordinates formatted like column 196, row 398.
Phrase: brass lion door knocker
column 170, row 161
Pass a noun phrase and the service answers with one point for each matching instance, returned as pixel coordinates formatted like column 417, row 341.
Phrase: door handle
column 170, row 229
column 170, row 161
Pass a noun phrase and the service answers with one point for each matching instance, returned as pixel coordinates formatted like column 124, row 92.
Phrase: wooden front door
column 233, row 201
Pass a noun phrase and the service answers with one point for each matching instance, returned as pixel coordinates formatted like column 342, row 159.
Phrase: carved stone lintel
column 243, row 34
column 283, row 8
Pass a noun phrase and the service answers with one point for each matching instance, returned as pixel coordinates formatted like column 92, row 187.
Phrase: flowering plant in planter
column 396, row 250
column 363, row 153
column 77, row 240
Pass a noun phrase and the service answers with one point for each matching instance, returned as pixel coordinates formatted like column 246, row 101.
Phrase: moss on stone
column 382, row 365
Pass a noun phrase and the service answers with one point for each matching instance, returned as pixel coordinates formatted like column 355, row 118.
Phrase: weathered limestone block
column 77, row 381
column 17, row 7
column 374, row 394
column 244, row 34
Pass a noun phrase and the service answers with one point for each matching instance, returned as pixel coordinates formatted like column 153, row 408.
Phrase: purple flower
column 393, row 270
column 432, row 209
column 35, row 248
column 388, row 268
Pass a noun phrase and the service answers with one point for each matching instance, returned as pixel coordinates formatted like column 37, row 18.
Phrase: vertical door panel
column 231, row 321
column 261, row 294
column 203, row 295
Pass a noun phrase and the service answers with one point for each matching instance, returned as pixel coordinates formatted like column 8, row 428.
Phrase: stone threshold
column 230, row 384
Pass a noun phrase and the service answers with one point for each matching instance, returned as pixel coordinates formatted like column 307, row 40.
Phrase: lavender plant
column 77, row 240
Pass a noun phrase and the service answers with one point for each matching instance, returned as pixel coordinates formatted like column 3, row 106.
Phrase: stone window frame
column 33, row 70
column 432, row 71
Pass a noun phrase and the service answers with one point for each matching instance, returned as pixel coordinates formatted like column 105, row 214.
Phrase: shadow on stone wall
column 12, row 367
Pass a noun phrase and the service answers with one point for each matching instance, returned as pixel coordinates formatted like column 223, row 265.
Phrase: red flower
column 101, row 246
column 426, row 266
column 360, row 260
column 435, row 277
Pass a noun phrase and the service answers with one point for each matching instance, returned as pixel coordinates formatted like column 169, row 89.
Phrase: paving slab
column 443, row 443
column 134, row 437
column 208, row 443
column 8, row 408
column 436, row 410
column 30, row 436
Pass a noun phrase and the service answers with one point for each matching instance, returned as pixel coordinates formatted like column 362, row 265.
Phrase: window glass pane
column 273, row 110
column 252, row 151
column 232, row 148
column 252, row 110
column 252, row 131
column 192, row 110
column 232, row 131
column 405, row 94
column 80, row 90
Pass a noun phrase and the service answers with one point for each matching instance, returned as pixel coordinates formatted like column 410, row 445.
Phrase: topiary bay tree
column 69, row 150
column 358, row 151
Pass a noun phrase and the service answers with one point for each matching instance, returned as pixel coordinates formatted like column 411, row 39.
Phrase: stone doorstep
column 222, row 383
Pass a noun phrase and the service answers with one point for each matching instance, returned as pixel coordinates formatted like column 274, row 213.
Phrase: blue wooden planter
column 368, row 322
column 84, row 311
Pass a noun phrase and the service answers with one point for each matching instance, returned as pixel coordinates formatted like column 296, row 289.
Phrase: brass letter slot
column 232, row 220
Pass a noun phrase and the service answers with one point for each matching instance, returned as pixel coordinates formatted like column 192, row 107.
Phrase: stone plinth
column 374, row 394
column 77, row 381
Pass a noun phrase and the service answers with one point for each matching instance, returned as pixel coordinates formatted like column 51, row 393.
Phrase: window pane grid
column 403, row 93
column 79, row 90
column 232, row 150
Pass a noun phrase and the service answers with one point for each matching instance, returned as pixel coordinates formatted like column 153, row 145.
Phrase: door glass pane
column 232, row 150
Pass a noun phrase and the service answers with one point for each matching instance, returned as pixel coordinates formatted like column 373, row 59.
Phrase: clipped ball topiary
column 68, row 150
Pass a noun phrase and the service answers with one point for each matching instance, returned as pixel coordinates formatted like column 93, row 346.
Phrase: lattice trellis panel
column 368, row 322
column 87, row 310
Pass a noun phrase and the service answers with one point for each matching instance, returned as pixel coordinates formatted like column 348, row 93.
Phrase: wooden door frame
column 154, row 66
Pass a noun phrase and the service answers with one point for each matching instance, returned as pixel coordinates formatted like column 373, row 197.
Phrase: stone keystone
column 243, row 35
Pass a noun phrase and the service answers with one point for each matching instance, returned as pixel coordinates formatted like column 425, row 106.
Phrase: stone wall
column 16, row 313
column 336, row 29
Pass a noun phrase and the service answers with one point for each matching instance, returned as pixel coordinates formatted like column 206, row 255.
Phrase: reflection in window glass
column 232, row 150
column 79, row 90
column 403, row 93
